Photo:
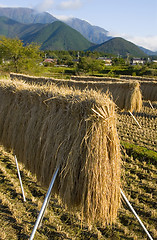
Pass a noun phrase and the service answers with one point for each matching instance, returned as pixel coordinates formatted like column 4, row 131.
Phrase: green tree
column 118, row 61
column 88, row 64
column 17, row 57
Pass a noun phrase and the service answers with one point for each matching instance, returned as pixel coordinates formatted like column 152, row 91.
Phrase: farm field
column 17, row 218
column 138, row 182
column 145, row 136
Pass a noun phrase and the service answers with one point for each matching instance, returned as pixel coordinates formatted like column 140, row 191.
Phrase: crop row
column 130, row 131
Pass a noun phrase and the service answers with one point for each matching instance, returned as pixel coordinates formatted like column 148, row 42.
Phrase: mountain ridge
column 27, row 15
column 119, row 46
column 92, row 33
column 59, row 36
column 52, row 36
column 34, row 21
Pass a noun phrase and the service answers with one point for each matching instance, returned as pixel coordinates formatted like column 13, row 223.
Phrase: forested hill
column 119, row 46
column 59, row 36
column 53, row 36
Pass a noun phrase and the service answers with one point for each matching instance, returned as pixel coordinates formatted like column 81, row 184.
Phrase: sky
column 134, row 20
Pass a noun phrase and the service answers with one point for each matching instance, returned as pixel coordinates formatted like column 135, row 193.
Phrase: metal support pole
column 139, row 220
column 19, row 175
column 135, row 119
column 150, row 104
column 45, row 203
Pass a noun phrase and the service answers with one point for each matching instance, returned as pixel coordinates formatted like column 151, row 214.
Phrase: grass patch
column 142, row 153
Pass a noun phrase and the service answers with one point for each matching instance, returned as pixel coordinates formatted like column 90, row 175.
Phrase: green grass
column 142, row 153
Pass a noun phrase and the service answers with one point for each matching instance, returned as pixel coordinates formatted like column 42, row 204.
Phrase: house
column 108, row 61
column 136, row 61
column 50, row 60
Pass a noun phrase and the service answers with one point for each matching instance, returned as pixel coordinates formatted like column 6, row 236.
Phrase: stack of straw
column 49, row 127
column 149, row 90
column 125, row 94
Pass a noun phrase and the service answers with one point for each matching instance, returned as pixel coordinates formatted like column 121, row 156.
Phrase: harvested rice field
column 145, row 136
column 138, row 173
column 17, row 219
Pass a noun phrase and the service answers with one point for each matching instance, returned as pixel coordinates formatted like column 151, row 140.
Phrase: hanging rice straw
column 64, row 131
column 126, row 95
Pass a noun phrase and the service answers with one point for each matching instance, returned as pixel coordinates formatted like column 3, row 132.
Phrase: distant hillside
column 27, row 15
column 148, row 52
column 94, row 34
column 58, row 36
column 119, row 46
column 9, row 27
column 12, row 29
column 53, row 36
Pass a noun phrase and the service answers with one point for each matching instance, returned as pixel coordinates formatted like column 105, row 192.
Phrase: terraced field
column 139, row 180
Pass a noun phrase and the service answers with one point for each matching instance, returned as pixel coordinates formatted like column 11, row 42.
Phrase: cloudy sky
column 135, row 20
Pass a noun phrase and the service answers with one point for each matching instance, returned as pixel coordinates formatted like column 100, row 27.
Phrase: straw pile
column 149, row 90
column 142, row 79
column 48, row 127
column 95, row 79
column 126, row 95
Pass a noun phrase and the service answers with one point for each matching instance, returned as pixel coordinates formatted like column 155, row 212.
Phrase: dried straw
column 51, row 126
column 126, row 95
column 149, row 90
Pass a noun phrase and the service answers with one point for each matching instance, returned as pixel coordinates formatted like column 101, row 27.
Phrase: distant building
column 50, row 60
column 108, row 61
column 136, row 61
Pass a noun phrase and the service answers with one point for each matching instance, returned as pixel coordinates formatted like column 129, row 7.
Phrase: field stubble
column 17, row 218
column 146, row 135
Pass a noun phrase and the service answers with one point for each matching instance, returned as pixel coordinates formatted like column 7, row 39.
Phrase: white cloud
column 148, row 42
column 70, row 4
column 44, row 5
column 62, row 17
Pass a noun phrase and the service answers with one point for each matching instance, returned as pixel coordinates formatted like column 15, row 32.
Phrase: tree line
column 17, row 57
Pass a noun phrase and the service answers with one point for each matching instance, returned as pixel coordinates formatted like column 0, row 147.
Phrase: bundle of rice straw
column 49, row 127
column 95, row 79
column 139, row 78
column 125, row 94
column 149, row 90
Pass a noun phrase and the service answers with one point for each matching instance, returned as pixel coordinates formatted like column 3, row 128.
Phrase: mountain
column 53, row 36
column 148, row 52
column 27, row 15
column 58, row 36
column 30, row 25
column 94, row 34
column 119, row 46
column 8, row 27
column 12, row 29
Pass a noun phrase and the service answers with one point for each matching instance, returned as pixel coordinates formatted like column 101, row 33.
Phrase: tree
column 17, row 57
column 118, row 61
column 88, row 64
